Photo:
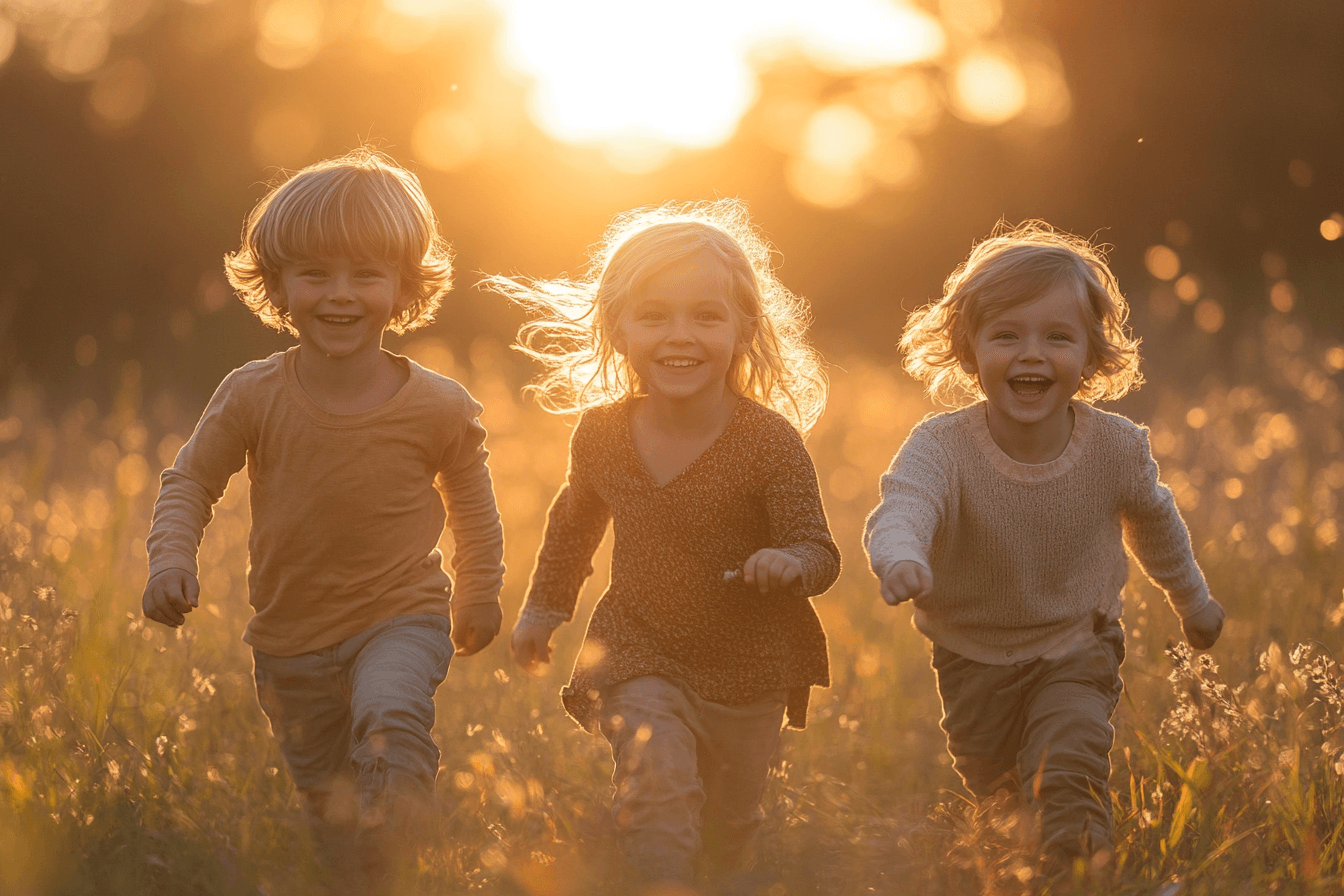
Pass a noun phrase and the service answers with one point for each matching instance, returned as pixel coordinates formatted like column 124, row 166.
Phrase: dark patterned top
column 669, row 610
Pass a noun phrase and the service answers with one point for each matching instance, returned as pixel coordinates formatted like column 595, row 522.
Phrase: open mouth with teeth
column 1030, row 385
column 679, row 363
column 338, row 319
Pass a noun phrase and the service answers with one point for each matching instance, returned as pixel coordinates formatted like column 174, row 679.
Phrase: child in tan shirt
column 352, row 455
column 1007, row 523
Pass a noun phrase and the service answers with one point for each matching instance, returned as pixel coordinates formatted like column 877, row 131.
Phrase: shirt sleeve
column 190, row 488
column 1157, row 537
column 473, row 517
column 575, row 525
column 915, row 499
column 797, row 518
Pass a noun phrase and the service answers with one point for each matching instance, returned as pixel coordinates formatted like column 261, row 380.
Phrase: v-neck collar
column 626, row 419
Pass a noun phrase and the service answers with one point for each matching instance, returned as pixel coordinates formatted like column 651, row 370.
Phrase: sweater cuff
column 1191, row 603
column 882, row 565
column 541, row 616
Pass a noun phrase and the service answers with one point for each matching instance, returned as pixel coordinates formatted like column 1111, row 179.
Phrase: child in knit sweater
column 355, row 457
column 688, row 360
column 1007, row 522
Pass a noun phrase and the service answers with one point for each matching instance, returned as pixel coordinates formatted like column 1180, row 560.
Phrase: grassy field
column 134, row 760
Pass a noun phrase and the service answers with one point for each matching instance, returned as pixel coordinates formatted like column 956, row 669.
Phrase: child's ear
column 745, row 337
column 618, row 340
column 275, row 292
column 968, row 364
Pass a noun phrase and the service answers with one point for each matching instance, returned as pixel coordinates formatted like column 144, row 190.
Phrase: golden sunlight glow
column 9, row 36
column 284, row 136
column 1332, row 228
column 608, row 72
column 289, row 33
column 446, row 139
column 988, row 86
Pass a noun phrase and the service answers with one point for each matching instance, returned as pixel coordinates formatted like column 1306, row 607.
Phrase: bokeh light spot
column 988, row 87
column 1332, row 228
column 1209, row 316
column 121, row 92
column 836, row 142
column 1178, row 233
column 1274, row 265
column 1188, row 288
column 895, row 162
column 1283, row 296
column 79, row 48
column 289, row 33
column 1301, row 173
column 1334, row 358
column 1162, row 262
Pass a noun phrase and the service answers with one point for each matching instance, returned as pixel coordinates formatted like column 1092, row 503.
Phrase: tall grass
column 134, row 760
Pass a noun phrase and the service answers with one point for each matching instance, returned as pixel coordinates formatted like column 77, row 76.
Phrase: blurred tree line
column 1212, row 130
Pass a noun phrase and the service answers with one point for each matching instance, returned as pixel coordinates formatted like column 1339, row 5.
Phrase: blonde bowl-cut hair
column 570, row 333
column 359, row 205
column 1011, row 267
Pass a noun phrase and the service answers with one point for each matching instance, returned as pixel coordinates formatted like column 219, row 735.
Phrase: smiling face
column 340, row 306
column 680, row 332
column 1030, row 360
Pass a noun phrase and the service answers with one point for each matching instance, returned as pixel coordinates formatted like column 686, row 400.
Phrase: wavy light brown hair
column 1013, row 266
column 360, row 205
column 572, row 319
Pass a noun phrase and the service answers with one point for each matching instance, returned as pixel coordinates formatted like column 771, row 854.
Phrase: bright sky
column 607, row 71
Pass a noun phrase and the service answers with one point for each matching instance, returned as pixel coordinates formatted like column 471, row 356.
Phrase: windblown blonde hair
column 360, row 205
column 573, row 319
column 1015, row 265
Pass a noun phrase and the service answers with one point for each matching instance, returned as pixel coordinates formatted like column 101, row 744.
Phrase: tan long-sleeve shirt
column 347, row 510
column 1024, row 555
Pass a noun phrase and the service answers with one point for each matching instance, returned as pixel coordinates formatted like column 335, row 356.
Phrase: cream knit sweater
column 1025, row 557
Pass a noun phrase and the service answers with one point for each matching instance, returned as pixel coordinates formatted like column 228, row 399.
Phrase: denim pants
column 689, row 775
column 354, row 723
column 1042, row 726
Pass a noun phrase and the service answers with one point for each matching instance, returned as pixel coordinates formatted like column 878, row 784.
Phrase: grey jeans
column 1043, row 726
column 354, row 723
column 689, row 775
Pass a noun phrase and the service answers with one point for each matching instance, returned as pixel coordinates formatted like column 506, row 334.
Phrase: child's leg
column 652, row 729
column 306, row 698
column 982, row 717
column 1066, row 746
column 734, row 763
column 395, row 668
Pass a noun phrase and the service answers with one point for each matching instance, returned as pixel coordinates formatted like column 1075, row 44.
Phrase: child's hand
column 907, row 580
column 474, row 627
column 169, row 596
column 771, row 570
column 1203, row 628
column 531, row 644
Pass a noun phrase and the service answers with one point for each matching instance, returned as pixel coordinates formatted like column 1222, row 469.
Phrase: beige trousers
column 689, row 775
